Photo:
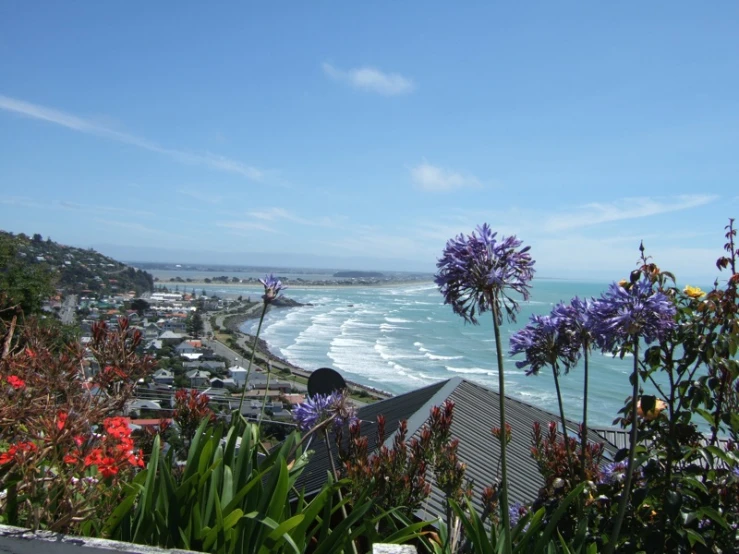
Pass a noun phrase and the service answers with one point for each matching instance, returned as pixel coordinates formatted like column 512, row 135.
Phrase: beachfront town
column 180, row 330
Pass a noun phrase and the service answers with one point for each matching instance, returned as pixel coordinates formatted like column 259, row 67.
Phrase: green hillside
column 73, row 270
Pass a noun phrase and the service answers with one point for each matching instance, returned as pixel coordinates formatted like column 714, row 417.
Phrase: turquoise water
column 402, row 338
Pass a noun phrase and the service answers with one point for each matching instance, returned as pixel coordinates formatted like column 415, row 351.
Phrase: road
column 67, row 311
column 224, row 351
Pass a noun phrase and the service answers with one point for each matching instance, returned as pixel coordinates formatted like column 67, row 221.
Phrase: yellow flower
column 659, row 406
column 693, row 292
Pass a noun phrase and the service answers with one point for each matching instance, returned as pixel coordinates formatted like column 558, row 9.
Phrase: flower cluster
column 115, row 452
column 545, row 341
column 16, row 452
column 515, row 512
column 272, row 288
column 320, row 407
column 16, row 382
column 612, row 473
column 477, row 271
column 634, row 310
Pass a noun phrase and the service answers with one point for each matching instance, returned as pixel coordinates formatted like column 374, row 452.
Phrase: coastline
column 234, row 323
column 292, row 286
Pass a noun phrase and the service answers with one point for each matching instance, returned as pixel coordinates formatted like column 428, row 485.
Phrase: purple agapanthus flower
column 624, row 313
column 321, row 407
column 477, row 270
column 612, row 473
column 578, row 319
column 545, row 341
column 515, row 511
column 272, row 288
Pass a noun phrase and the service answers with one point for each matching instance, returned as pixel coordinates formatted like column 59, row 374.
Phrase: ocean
column 401, row 338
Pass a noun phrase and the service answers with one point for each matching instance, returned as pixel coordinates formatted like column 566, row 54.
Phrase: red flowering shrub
column 64, row 455
column 190, row 409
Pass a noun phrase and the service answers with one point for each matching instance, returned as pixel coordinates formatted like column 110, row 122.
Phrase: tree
column 140, row 305
column 194, row 324
column 23, row 287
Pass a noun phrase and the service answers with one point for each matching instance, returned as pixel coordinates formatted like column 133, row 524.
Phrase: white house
column 238, row 374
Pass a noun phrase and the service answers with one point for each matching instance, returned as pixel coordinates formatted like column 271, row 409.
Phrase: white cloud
column 438, row 179
column 627, row 208
column 82, row 125
column 201, row 196
column 246, row 226
column 371, row 79
column 276, row 214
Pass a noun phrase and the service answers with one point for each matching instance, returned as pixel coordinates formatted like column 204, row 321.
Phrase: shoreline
column 289, row 286
column 234, row 323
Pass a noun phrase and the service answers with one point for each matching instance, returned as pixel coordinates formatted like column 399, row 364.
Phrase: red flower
column 107, row 467
column 94, row 458
column 61, row 419
column 117, row 427
column 70, row 459
column 137, row 460
column 79, row 440
column 16, row 382
column 9, row 456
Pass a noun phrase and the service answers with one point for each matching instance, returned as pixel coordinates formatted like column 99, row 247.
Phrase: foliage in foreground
column 67, row 463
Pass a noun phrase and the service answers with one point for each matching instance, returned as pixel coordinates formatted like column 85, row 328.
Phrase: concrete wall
column 14, row 540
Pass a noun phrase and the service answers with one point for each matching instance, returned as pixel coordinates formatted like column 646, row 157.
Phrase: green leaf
column 557, row 515
column 123, row 510
column 694, row 537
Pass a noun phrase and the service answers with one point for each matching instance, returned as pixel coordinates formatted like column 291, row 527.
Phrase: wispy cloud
column 371, row 79
column 137, row 228
column 438, row 179
column 67, row 205
column 90, row 208
column 276, row 214
column 627, row 208
column 71, row 121
column 246, row 226
column 201, row 196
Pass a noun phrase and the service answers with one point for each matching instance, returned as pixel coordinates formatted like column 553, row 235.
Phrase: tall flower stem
column 564, row 421
column 253, row 352
column 584, row 438
column 626, row 493
column 505, row 516
column 266, row 391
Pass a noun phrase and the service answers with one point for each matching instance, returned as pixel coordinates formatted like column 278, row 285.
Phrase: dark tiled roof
column 475, row 414
column 394, row 409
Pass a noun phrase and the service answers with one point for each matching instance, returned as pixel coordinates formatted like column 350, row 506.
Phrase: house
column 185, row 348
column 134, row 407
column 174, row 325
column 223, row 383
column 151, row 331
column 238, row 374
column 163, row 377
column 212, row 365
column 260, row 381
column 475, row 414
column 198, row 378
column 293, row 399
column 170, row 337
column 153, row 345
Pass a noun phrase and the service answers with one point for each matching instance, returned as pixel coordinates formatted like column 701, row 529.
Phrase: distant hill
column 358, row 274
column 75, row 270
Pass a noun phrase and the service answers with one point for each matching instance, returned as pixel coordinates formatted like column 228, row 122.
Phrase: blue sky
column 372, row 132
